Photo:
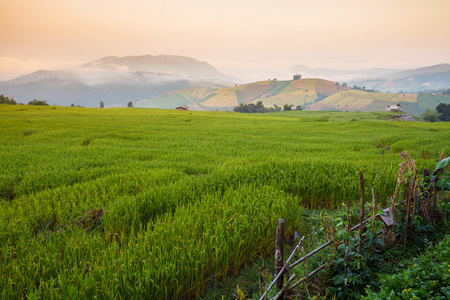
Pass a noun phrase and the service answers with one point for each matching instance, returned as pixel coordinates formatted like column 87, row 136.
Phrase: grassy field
column 137, row 203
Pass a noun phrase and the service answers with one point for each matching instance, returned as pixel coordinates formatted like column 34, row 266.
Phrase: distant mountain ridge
column 340, row 75
column 420, row 71
column 168, row 64
column 413, row 81
column 114, row 80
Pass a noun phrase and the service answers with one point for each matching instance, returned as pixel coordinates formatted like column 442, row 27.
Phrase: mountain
column 415, row 80
column 437, row 69
column 113, row 80
column 339, row 75
column 168, row 64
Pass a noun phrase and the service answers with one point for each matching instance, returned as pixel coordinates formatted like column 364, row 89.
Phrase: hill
column 416, row 80
column 311, row 94
column 270, row 92
column 356, row 100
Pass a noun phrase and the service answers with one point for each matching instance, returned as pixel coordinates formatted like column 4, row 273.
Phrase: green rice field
column 127, row 203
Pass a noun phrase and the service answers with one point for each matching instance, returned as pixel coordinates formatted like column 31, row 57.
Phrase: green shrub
column 428, row 278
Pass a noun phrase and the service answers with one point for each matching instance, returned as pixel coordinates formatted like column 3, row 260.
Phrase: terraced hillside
column 270, row 92
column 176, row 98
column 356, row 100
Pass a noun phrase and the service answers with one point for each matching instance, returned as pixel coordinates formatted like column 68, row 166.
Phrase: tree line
column 7, row 100
column 259, row 107
column 442, row 113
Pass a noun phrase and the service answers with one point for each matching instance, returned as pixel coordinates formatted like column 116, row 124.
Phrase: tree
column 287, row 107
column 299, row 107
column 7, row 100
column 72, row 105
column 38, row 102
column 430, row 116
column 444, row 110
column 102, row 105
column 276, row 107
column 251, row 107
column 259, row 107
column 130, row 104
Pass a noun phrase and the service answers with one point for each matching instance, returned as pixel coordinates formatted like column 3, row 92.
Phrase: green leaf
column 346, row 235
column 442, row 164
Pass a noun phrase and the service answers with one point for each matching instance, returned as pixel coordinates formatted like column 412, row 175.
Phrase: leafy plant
column 426, row 279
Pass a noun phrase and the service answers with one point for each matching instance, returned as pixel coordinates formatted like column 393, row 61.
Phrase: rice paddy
column 136, row 203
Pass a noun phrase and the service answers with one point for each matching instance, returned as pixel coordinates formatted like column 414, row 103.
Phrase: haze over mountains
column 166, row 81
column 422, row 79
column 114, row 80
column 341, row 75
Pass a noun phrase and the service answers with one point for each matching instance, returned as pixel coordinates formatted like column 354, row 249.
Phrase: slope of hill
column 270, row 92
column 187, row 96
column 356, row 100
column 311, row 94
column 428, row 78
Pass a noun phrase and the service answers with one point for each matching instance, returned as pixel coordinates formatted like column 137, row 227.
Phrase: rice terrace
column 164, row 204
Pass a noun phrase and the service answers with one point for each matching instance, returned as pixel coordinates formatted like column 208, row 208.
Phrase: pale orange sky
column 243, row 38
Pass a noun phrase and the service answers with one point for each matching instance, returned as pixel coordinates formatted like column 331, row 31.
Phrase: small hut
column 393, row 108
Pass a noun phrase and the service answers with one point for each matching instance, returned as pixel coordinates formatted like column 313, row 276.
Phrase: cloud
column 11, row 67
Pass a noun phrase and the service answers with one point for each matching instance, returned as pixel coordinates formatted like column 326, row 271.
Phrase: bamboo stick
column 286, row 265
column 281, row 292
column 310, row 254
column 309, row 275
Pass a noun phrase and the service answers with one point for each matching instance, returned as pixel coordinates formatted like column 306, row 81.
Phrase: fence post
column 279, row 252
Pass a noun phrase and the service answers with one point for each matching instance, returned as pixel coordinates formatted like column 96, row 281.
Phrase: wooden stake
column 279, row 252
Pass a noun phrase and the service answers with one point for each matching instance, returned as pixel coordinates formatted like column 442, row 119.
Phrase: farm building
column 403, row 118
column 393, row 108
column 183, row 107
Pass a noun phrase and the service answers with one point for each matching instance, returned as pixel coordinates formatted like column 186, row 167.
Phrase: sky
column 246, row 39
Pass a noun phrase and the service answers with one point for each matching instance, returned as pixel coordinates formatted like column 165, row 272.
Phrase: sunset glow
column 246, row 39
